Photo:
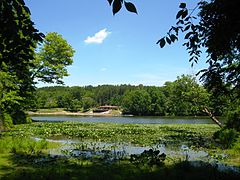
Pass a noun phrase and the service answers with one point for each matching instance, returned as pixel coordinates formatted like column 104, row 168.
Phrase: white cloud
column 98, row 37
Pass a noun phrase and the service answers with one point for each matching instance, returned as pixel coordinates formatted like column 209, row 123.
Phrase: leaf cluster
column 117, row 5
column 18, row 39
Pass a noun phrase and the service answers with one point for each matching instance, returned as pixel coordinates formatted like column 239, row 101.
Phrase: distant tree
column 158, row 101
column 51, row 59
column 87, row 103
column 137, row 102
column 185, row 97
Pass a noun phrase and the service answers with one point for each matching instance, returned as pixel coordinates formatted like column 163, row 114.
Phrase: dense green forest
column 182, row 97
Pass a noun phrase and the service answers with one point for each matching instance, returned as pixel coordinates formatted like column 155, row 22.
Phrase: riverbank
column 109, row 113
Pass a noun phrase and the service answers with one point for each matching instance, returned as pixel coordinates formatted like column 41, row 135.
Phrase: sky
column 119, row 49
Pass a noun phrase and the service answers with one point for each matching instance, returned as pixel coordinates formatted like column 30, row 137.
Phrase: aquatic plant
column 150, row 157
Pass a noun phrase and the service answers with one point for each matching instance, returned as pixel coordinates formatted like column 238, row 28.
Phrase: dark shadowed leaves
column 130, row 7
column 179, row 14
column 162, row 42
column 182, row 5
column 117, row 5
column 173, row 37
column 168, row 40
column 184, row 14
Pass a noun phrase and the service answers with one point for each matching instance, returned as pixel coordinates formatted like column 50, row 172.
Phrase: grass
column 21, row 157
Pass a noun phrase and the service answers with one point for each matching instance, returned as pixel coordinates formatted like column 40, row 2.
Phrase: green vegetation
column 22, row 63
column 22, row 156
column 21, row 66
column 131, row 133
column 183, row 97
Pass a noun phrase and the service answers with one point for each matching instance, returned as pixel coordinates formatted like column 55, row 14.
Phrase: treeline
column 182, row 97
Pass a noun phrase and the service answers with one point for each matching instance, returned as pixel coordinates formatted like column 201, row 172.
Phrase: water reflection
column 117, row 151
column 126, row 120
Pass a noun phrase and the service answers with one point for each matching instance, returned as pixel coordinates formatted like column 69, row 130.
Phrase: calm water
column 126, row 120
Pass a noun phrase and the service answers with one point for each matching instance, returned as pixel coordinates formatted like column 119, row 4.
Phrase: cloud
column 98, row 37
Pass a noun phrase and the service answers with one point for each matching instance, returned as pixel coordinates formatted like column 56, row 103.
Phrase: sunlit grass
column 20, row 154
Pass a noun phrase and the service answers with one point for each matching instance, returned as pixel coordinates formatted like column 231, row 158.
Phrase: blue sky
column 118, row 49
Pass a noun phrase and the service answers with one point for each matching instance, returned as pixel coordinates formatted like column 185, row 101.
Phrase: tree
column 88, row 102
column 158, row 101
column 218, row 32
column 51, row 59
column 185, row 97
column 18, row 39
column 137, row 102
column 212, row 25
column 19, row 65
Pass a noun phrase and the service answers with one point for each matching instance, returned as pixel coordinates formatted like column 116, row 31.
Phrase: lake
column 126, row 120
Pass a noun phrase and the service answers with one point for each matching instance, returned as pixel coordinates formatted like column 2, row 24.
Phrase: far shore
column 106, row 113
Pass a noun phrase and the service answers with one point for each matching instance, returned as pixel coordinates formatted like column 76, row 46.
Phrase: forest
column 182, row 97
column 82, row 150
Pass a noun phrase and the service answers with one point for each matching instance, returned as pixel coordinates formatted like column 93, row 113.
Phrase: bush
column 22, row 146
column 233, row 119
column 20, row 117
column 6, row 120
column 226, row 137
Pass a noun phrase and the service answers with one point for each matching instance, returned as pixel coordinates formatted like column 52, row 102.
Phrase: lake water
column 126, row 120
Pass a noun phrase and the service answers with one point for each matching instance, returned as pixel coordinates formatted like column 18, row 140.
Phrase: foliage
column 88, row 102
column 29, row 162
column 234, row 119
column 227, row 137
column 20, row 117
column 6, row 120
column 9, row 90
column 117, row 5
column 22, row 145
column 137, row 102
column 150, row 157
column 51, row 59
column 181, row 97
column 138, row 134
column 214, row 28
column 18, row 39
column 20, row 65
column 186, row 97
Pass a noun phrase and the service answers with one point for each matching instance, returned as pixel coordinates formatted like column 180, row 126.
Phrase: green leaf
column 182, row 5
column 117, row 5
column 130, row 7
column 110, row 2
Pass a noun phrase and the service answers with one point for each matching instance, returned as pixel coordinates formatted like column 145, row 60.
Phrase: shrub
column 233, row 119
column 6, row 120
column 20, row 117
column 226, row 137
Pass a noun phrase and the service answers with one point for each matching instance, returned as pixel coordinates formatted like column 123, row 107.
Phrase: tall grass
column 23, row 145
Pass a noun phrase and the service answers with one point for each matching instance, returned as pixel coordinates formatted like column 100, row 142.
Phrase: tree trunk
column 212, row 117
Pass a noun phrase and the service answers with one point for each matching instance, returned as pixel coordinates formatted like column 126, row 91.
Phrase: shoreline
column 62, row 113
